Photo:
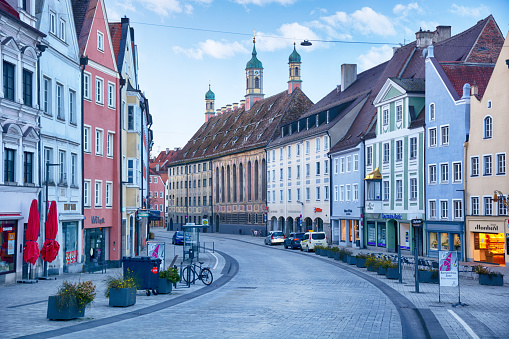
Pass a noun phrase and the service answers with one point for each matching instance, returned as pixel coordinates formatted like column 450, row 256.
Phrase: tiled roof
column 240, row 130
column 83, row 11
column 411, row 85
column 4, row 6
column 115, row 32
column 474, row 74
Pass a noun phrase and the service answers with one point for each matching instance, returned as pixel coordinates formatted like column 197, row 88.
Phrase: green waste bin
column 145, row 270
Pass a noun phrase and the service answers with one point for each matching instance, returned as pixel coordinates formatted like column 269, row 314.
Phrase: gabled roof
column 411, row 85
column 460, row 74
column 4, row 6
column 83, row 11
column 116, row 32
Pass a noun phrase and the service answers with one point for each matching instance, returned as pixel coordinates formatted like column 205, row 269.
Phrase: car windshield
column 277, row 234
column 318, row 236
column 299, row 235
column 180, row 234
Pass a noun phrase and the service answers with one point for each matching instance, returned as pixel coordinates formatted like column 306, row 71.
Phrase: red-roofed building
column 158, row 176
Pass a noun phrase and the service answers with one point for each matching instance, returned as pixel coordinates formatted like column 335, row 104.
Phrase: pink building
column 101, row 123
column 156, row 196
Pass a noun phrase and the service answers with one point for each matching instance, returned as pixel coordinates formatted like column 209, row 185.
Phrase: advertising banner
column 156, row 250
column 448, row 268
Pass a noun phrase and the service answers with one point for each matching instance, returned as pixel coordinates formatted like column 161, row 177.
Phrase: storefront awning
column 375, row 175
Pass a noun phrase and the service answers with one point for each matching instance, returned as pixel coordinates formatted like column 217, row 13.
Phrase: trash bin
column 145, row 270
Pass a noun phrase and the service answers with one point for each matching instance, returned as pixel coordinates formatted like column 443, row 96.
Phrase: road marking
column 217, row 261
column 465, row 325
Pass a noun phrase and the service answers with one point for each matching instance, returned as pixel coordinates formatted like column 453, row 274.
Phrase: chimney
column 218, row 111
column 223, row 109
column 474, row 90
column 167, row 150
column 441, row 33
column 466, row 91
column 124, row 20
column 176, row 149
column 235, row 106
column 228, row 108
column 424, row 38
column 242, row 103
column 348, row 75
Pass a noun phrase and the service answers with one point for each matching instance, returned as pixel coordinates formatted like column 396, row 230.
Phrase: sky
column 185, row 45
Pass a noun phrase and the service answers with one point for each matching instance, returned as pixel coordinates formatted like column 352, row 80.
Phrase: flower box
column 337, row 256
column 71, row 311
column 491, row 279
column 381, row 270
column 350, row 260
column 330, row 254
column 318, row 251
column 428, row 277
column 165, row 286
column 372, row 269
column 361, row 262
column 324, row 252
column 392, row 273
column 122, row 297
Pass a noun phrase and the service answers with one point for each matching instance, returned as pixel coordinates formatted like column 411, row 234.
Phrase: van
column 312, row 239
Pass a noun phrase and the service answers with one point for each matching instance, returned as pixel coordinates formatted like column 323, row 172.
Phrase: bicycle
column 205, row 275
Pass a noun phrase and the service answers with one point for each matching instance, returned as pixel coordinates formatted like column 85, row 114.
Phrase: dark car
column 178, row 238
column 293, row 240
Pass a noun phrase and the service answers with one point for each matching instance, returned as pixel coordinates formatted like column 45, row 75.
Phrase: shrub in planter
column 121, row 290
column 167, row 278
column 71, row 300
column 360, row 260
column 428, row 276
column 318, row 249
column 487, row 277
column 351, row 260
column 392, row 272
column 384, row 264
column 344, row 253
column 372, row 263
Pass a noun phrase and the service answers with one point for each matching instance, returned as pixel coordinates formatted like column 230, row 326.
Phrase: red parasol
column 31, row 250
column 50, row 248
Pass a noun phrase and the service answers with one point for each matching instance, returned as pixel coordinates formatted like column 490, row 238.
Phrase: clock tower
column 254, row 79
column 210, row 98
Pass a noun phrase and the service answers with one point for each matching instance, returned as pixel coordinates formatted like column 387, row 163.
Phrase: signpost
column 448, row 270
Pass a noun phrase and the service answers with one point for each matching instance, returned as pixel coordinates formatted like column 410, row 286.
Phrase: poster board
column 157, row 250
column 448, row 268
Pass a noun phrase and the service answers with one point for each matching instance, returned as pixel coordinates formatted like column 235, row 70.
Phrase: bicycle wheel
column 188, row 272
column 206, row 276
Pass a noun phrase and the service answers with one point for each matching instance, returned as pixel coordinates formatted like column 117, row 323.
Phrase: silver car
column 274, row 237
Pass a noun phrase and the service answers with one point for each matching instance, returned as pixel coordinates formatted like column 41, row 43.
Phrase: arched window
column 222, row 184
column 488, row 128
column 228, row 186
column 256, row 180
column 431, row 112
column 257, row 82
column 249, row 182
column 217, row 184
column 234, row 183
column 241, row 183
column 247, row 83
column 264, row 180
column 296, row 71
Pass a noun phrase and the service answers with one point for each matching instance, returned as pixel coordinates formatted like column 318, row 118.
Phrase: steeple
column 254, row 79
column 294, row 62
column 210, row 98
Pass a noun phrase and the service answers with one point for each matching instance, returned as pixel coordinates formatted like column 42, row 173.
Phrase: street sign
column 417, row 222
column 154, row 270
column 143, row 214
column 205, row 222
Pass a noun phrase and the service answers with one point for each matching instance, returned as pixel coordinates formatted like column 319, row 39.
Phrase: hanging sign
column 448, row 268
column 11, row 243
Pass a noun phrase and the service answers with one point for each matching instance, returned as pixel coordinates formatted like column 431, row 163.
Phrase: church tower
column 210, row 97
column 254, row 79
column 294, row 68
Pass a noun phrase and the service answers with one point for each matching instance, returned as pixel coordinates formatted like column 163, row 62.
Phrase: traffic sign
column 154, row 270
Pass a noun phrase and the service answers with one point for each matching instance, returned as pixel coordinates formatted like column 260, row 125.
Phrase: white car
column 312, row 239
column 274, row 237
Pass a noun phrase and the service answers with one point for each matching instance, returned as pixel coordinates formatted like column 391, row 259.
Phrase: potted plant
column 360, row 260
column 428, row 276
column 344, row 253
column 318, row 249
column 167, row 278
column 383, row 266
column 71, row 300
column 334, row 253
column 121, row 290
column 392, row 271
column 372, row 263
column 351, row 260
column 487, row 277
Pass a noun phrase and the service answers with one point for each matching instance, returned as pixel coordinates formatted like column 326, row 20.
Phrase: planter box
column 324, row 252
column 491, row 280
column 351, row 260
column 392, row 273
column 427, row 277
column 381, row 271
column 330, row 254
column 318, row 251
column 337, row 256
column 165, row 286
column 361, row 263
column 343, row 257
column 372, row 269
column 66, row 313
column 122, row 297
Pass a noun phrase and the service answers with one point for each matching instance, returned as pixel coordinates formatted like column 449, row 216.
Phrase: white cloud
column 265, row 2
column 285, row 37
column 188, row 9
column 163, row 7
column 375, row 56
column 403, row 10
column 430, row 25
column 474, row 12
column 318, row 10
column 365, row 21
column 212, row 48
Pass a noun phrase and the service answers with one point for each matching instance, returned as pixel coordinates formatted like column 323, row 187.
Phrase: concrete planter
column 381, row 270
column 372, row 269
column 122, row 297
column 337, row 256
column 351, row 260
column 361, row 262
column 330, row 254
column 428, row 277
column 165, row 286
column 318, row 251
column 491, row 279
column 343, row 257
column 392, row 273
column 72, row 311
column 324, row 253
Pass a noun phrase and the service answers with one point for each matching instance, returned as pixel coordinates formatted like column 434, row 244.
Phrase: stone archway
column 289, row 226
column 297, row 226
column 273, row 224
column 318, row 224
column 308, row 224
column 281, row 224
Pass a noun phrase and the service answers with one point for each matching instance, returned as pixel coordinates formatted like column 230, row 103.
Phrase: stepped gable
column 459, row 74
column 241, row 130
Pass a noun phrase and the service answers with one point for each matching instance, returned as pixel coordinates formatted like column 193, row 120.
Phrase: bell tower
column 254, row 79
column 210, row 98
column 294, row 62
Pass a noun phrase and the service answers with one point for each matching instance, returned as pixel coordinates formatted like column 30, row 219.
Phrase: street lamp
column 306, row 43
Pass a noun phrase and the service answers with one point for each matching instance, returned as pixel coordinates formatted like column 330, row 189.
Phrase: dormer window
column 307, row 123
column 282, row 132
column 298, row 126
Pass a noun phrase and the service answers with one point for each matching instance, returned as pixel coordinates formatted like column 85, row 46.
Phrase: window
column 298, row 171
column 431, row 112
column 413, row 189
column 385, row 115
column 9, row 161
column 155, row 194
column 8, row 81
column 326, row 140
column 444, row 209
column 130, row 118
column 289, row 151
column 273, row 175
column 432, row 137
column 387, row 191
column 62, row 179
column 307, row 147
column 369, row 155
column 355, row 162
column 432, row 209
column 318, row 193
column 432, row 174
column 268, row 196
column 488, row 128
column 52, row 23
column 386, row 153
column 488, row 206
column 399, row 190
column 61, row 33
column 74, row 168
column 348, row 193
column 341, row 193
column 336, row 193
column 60, row 102
column 458, row 209
column 72, row 107
column 502, row 208
column 268, row 176
column 280, row 174
column 308, row 194
column 130, row 171
column 109, row 192
column 86, row 86
column 501, row 164
column 413, row 148
column 349, row 163
column 289, row 195
column 308, row 170
column 336, row 165
column 399, row 150
column 111, row 95
column 342, row 165
column 98, row 141
column 98, row 193
column 474, row 166
column 48, row 159
column 317, row 143
column 318, row 168
column 98, row 90
column 27, row 87
column 399, row 112
column 355, row 192
column 487, row 165
column 100, row 41
column 273, row 155
column 326, row 167
column 109, row 145
column 326, row 193
column 28, row 168
column 444, row 173
column 298, row 194
column 281, row 153
column 445, row 135
column 457, row 171
column 298, row 150
column 86, row 193
column 46, row 97
column 474, row 201
column 289, row 173
column 280, row 195
column 86, row 138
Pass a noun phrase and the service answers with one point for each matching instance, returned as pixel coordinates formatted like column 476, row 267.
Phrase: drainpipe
column 121, row 158
column 41, row 49
column 83, row 63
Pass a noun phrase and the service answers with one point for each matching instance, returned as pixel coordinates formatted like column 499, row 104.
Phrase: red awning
column 31, row 250
column 50, row 248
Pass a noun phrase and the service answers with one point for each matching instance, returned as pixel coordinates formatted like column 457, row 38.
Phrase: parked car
column 312, row 239
column 293, row 240
column 274, row 237
column 178, row 238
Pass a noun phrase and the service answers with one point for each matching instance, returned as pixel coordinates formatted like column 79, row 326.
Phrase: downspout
column 211, row 196
column 330, row 188
column 41, row 49
column 83, row 63
column 121, row 158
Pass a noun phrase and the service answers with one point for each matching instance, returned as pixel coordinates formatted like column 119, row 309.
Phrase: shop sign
column 391, row 216
column 317, row 209
column 491, row 227
column 417, row 222
column 69, row 207
column 11, row 243
column 348, row 211
column 97, row 220
column 448, row 268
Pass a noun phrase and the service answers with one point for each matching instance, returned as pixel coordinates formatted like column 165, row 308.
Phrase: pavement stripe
column 464, row 324
column 35, row 302
column 217, row 260
column 230, row 269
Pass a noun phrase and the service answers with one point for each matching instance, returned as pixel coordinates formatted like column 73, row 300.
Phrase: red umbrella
column 50, row 248
column 31, row 250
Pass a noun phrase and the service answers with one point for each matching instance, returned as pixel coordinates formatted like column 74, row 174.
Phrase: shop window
column 433, row 241
column 343, row 230
column 457, row 242
column 8, row 244
column 444, row 241
column 371, row 234
column 381, row 240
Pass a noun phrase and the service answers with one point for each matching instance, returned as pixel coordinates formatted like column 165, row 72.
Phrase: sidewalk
column 24, row 306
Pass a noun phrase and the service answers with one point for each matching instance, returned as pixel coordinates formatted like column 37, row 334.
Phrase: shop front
column 488, row 240
column 8, row 232
column 349, row 235
column 70, row 245
column 445, row 237
column 96, row 245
